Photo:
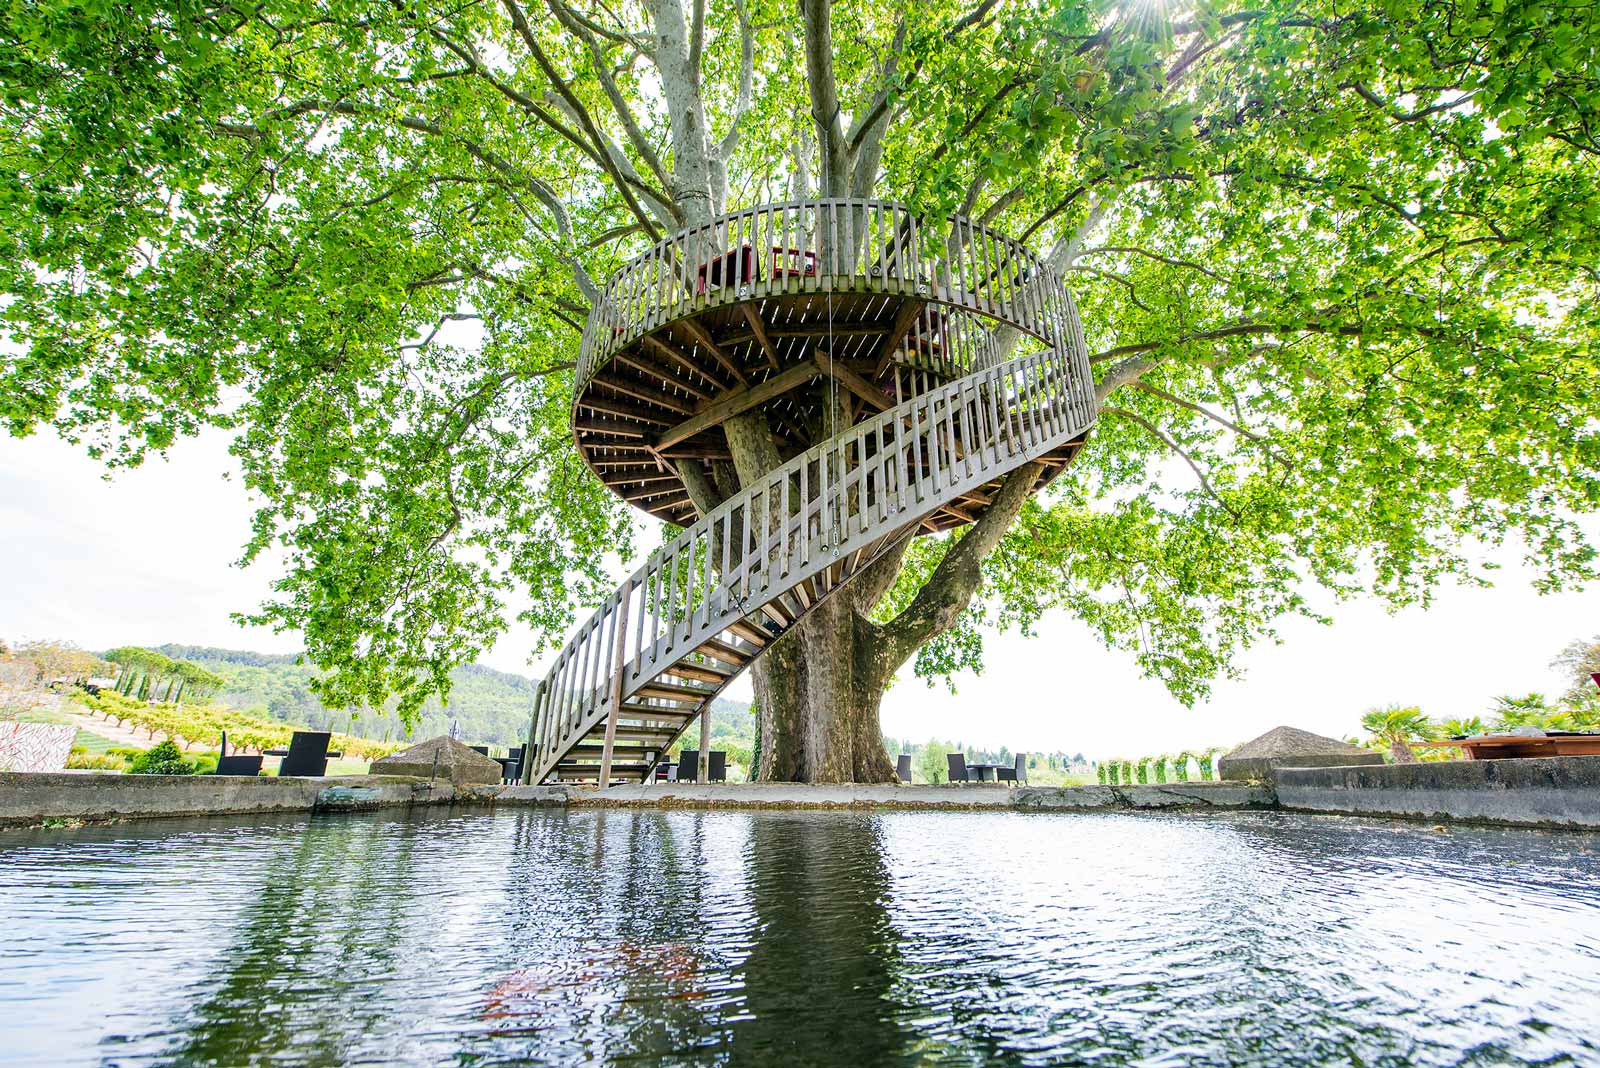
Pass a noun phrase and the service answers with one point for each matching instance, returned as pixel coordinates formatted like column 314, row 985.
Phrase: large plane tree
column 1336, row 263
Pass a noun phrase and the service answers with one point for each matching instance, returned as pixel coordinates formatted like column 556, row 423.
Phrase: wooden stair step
column 646, row 734
column 724, row 652
column 699, row 673
column 672, row 689
column 749, row 633
column 636, row 708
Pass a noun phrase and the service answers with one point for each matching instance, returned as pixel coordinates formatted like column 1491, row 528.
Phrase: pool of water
column 772, row 938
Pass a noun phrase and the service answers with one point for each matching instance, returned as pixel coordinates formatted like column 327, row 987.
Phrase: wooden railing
column 852, row 494
column 818, row 246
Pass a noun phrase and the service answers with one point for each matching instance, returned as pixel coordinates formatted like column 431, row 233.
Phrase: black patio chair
column 902, row 767
column 513, row 764
column 1019, row 773
column 238, row 765
column 958, row 766
column 718, row 771
column 307, row 754
column 483, row 749
column 689, row 766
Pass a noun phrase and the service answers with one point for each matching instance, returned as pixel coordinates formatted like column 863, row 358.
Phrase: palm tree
column 1462, row 728
column 1528, row 710
column 1399, row 725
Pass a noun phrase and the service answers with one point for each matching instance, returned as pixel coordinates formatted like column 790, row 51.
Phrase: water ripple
column 798, row 939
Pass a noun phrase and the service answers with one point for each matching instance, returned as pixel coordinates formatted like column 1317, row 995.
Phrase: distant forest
column 486, row 706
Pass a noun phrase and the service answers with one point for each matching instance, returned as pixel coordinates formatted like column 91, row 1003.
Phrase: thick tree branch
column 950, row 588
column 630, row 125
column 519, row 20
column 831, row 141
column 747, row 64
column 865, row 138
column 1125, row 373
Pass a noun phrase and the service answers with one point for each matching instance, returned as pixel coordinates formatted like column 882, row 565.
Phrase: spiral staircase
column 869, row 339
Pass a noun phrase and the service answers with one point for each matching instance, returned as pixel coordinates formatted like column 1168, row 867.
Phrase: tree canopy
column 1336, row 264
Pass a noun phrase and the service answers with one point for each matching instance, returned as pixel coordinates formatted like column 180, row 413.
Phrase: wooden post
column 703, row 773
column 528, row 751
column 618, row 658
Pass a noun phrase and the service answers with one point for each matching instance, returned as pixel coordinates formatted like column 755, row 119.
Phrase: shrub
column 1100, row 772
column 1160, row 765
column 1180, row 766
column 161, row 759
column 1141, row 769
column 82, row 761
column 1205, row 759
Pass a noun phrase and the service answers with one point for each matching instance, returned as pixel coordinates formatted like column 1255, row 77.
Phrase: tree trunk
column 818, row 690
column 1401, row 751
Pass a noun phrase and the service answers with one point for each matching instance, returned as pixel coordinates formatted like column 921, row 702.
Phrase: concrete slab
column 1553, row 792
column 27, row 799
column 1559, row 792
column 846, row 796
column 796, row 795
column 1170, row 795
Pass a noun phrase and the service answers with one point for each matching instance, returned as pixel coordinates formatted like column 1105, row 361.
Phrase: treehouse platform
column 817, row 314
column 902, row 366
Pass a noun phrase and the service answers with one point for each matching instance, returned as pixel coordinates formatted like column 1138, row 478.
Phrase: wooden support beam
column 656, row 371
column 759, row 330
column 702, row 335
column 653, row 475
column 644, row 393
column 694, row 454
column 902, row 323
column 654, row 343
column 703, row 774
column 610, row 426
column 731, row 403
column 622, row 408
column 851, row 381
column 619, row 637
column 646, row 494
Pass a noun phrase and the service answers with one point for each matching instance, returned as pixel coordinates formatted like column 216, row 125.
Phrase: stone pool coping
column 1560, row 792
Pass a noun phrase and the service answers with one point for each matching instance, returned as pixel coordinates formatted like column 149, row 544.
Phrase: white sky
column 147, row 558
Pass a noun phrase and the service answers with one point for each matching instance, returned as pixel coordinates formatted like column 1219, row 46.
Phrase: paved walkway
column 108, row 728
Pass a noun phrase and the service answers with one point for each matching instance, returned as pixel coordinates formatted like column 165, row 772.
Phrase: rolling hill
column 486, row 706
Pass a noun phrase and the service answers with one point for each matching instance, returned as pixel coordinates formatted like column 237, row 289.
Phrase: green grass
column 1045, row 776
column 94, row 743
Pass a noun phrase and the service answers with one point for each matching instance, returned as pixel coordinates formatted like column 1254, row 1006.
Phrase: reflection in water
column 313, row 915
column 550, row 937
column 821, row 968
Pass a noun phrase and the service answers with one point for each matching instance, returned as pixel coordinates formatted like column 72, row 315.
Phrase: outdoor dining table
column 984, row 772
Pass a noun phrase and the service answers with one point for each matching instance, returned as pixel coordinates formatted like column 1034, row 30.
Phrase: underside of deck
column 660, row 403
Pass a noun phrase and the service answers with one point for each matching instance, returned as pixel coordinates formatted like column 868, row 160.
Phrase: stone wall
column 27, row 799
column 1561, row 792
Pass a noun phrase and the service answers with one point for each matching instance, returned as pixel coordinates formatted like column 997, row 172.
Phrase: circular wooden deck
column 780, row 309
